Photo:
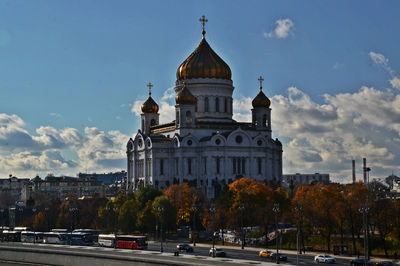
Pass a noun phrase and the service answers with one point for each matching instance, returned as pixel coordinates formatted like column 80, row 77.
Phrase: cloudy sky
column 73, row 75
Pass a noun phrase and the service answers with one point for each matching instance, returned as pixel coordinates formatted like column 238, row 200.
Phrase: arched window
column 206, row 104
column 217, row 104
column 264, row 122
column 188, row 118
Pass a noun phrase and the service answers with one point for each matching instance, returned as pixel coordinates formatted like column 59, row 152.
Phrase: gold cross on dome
column 149, row 85
column 203, row 21
column 261, row 80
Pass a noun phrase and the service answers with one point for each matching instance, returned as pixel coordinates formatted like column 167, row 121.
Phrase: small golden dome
column 203, row 63
column 184, row 96
column 261, row 100
column 150, row 106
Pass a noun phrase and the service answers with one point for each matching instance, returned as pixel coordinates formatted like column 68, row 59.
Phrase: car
column 386, row 263
column 184, row 247
column 218, row 252
column 324, row 258
column 362, row 262
column 281, row 257
column 265, row 253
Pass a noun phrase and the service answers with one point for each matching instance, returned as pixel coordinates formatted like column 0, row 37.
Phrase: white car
column 324, row 258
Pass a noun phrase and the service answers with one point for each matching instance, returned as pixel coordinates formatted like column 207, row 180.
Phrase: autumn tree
column 147, row 193
column 165, row 212
column 183, row 197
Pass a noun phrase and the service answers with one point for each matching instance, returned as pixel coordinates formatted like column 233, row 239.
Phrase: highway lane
column 251, row 255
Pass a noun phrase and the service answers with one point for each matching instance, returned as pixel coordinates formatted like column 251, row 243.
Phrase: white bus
column 106, row 240
column 55, row 238
column 31, row 237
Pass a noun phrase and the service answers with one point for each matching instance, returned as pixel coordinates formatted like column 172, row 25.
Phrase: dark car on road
column 362, row 262
column 386, row 263
column 184, row 247
column 281, row 256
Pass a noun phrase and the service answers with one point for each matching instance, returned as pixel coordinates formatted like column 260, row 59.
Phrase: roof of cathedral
column 184, row 96
column 203, row 63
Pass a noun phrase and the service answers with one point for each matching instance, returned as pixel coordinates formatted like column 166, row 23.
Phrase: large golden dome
column 203, row 63
column 184, row 96
column 261, row 100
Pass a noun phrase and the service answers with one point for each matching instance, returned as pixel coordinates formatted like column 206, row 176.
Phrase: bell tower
column 150, row 116
column 261, row 113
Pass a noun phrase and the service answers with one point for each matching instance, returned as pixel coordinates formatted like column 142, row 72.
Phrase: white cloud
column 55, row 115
column 395, row 82
column 283, row 28
column 242, row 109
column 325, row 137
column 55, row 150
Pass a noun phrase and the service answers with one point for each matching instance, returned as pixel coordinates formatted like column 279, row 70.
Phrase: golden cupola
column 203, row 63
column 261, row 100
column 150, row 106
column 184, row 96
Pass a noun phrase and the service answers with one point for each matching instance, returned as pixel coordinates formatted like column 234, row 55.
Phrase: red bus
column 131, row 242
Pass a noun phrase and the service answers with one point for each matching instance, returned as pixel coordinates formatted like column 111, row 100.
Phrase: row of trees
column 331, row 212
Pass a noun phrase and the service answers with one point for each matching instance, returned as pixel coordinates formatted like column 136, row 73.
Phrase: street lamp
column 160, row 211
column 241, row 208
column 299, row 208
column 33, row 225
column 115, row 210
column 276, row 210
column 72, row 210
column 212, row 211
column 47, row 218
column 364, row 209
column 2, row 217
column 194, row 208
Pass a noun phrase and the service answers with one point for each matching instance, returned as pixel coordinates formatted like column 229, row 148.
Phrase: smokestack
column 354, row 170
column 365, row 170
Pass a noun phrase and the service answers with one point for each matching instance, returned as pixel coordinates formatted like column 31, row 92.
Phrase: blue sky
column 74, row 72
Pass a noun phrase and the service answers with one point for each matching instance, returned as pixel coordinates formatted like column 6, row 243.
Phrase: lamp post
column 241, row 208
column 47, row 218
column 212, row 211
column 115, row 210
column 72, row 210
column 276, row 210
column 33, row 225
column 194, row 208
column 364, row 209
column 2, row 217
column 160, row 211
column 21, row 214
column 298, row 209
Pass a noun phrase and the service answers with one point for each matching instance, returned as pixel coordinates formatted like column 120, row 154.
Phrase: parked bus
column 55, row 238
column 11, row 236
column 31, row 237
column 106, row 240
column 80, row 239
column 93, row 232
column 131, row 242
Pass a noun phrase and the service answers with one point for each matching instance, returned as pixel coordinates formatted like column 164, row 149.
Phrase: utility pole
column 276, row 210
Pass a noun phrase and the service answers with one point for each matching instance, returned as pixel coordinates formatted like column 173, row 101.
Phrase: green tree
column 127, row 217
column 168, row 215
column 146, row 218
column 147, row 193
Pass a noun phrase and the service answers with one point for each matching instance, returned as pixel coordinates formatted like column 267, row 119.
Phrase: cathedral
column 203, row 146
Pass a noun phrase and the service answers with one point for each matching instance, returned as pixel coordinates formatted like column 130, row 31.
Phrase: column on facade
column 198, row 167
column 268, row 165
column 181, row 164
column 225, row 175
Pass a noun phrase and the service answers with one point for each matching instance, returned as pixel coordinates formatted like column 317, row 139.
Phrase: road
column 246, row 254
